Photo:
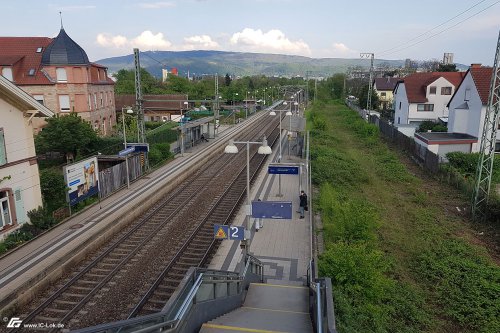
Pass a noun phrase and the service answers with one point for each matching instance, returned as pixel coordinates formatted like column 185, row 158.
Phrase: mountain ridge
column 209, row 62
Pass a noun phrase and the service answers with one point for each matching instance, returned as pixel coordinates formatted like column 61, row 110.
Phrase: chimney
column 475, row 65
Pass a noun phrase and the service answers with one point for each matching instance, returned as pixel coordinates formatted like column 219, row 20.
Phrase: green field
column 401, row 256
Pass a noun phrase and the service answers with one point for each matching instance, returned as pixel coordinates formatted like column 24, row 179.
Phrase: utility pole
column 484, row 168
column 138, row 103
column 216, row 104
column 370, row 84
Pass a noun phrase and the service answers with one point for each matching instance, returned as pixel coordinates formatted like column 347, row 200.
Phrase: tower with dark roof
column 64, row 51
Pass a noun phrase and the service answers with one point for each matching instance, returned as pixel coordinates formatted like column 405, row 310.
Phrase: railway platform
column 281, row 304
column 25, row 270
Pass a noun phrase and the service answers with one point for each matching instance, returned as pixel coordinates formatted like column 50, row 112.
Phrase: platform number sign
column 229, row 232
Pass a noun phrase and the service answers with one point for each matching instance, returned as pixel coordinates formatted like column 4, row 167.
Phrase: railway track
column 92, row 294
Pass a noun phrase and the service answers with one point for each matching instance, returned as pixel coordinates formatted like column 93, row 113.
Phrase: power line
column 440, row 32
column 434, row 28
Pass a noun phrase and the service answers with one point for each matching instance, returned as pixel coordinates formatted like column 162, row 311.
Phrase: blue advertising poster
column 82, row 179
column 272, row 209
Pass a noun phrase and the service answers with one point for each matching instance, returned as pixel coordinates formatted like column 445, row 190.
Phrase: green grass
column 398, row 261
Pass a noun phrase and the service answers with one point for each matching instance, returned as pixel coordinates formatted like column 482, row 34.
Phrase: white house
column 19, row 177
column 468, row 104
column 424, row 96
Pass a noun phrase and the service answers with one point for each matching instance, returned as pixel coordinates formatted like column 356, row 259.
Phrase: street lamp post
column 273, row 113
column 129, row 111
column 264, row 149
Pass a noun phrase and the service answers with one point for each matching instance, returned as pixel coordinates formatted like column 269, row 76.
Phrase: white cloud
column 156, row 5
column 200, row 42
column 341, row 50
column 146, row 40
column 273, row 41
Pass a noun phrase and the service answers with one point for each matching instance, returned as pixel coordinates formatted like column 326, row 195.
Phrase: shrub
column 53, row 189
column 41, row 218
column 465, row 284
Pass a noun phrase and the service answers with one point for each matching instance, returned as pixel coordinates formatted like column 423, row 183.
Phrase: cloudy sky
column 401, row 29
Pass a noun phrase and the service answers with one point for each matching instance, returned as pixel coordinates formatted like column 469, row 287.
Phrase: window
column 467, row 95
column 432, row 90
column 7, row 73
column 3, row 152
column 425, row 107
column 382, row 94
column 31, row 72
column 39, row 50
column 95, row 101
column 39, row 99
column 446, row 91
column 64, row 103
column 400, row 105
column 102, row 100
column 90, row 101
column 61, row 75
column 5, row 214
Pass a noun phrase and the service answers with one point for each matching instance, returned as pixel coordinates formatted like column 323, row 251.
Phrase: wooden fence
column 113, row 178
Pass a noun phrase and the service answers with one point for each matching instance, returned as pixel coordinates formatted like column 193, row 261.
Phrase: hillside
column 238, row 63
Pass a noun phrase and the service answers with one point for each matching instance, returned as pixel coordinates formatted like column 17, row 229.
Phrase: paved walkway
column 282, row 245
column 282, row 303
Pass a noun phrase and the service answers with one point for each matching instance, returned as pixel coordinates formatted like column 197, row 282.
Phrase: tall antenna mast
column 484, row 168
column 370, row 84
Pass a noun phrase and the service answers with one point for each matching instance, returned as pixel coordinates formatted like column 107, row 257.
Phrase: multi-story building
column 19, row 178
column 58, row 74
column 424, row 96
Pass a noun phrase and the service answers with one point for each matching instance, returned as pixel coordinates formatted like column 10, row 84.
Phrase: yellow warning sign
column 220, row 234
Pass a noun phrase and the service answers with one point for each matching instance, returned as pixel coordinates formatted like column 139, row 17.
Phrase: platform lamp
column 264, row 149
column 273, row 113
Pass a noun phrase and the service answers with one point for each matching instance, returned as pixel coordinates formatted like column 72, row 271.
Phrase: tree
column 447, row 68
column 227, row 80
column 125, row 82
column 363, row 97
column 68, row 135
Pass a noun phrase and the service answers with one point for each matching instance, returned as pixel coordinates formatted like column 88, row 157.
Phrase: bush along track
column 398, row 261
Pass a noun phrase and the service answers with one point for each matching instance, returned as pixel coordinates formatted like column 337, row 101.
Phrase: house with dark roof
column 58, row 74
column 424, row 96
column 19, row 177
column 468, row 104
column 157, row 107
column 384, row 86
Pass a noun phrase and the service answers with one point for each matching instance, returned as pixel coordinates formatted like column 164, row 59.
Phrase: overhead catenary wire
column 403, row 47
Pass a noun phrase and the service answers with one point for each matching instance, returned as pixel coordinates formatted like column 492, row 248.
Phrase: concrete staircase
column 267, row 308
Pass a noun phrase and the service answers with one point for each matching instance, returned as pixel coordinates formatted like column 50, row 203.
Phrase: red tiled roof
column 416, row 84
column 24, row 49
column 482, row 80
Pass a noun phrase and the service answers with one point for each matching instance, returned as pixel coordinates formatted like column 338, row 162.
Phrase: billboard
column 82, row 179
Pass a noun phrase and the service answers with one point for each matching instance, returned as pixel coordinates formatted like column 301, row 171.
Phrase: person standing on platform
column 302, row 204
column 259, row 224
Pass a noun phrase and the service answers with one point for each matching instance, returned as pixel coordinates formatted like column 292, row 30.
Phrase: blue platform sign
column 272, row 209
column 125, row 152
column 283, row 170
column 229, row 232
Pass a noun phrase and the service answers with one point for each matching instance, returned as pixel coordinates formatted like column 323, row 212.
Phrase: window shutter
column 3, row 153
